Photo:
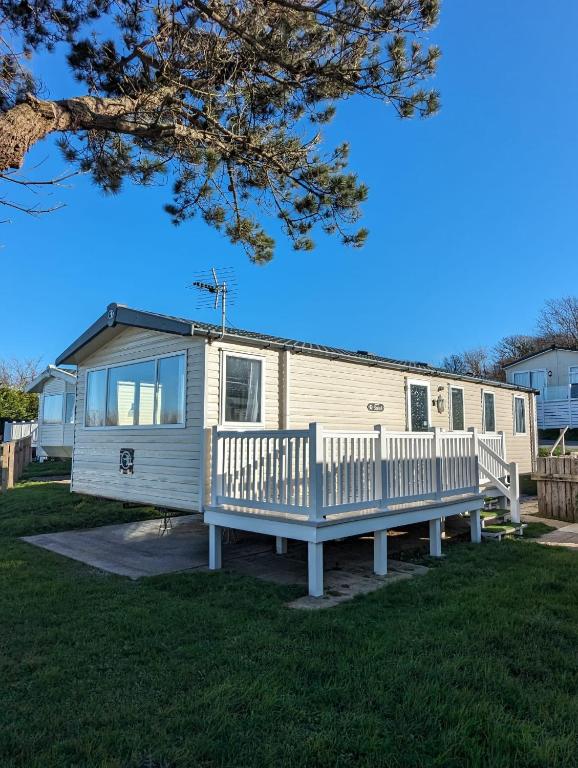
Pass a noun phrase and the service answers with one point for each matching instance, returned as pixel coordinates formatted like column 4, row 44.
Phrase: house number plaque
column 126, row 464
column 375, row 407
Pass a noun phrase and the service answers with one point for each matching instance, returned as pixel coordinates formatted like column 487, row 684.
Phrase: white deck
column 317, row 485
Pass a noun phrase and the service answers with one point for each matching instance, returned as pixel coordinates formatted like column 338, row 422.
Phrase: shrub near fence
column 558, row 487
column 16, row 455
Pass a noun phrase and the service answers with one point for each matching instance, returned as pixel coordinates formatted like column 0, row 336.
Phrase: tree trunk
column 25, row 124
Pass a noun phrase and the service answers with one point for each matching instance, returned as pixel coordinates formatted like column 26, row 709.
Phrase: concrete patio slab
column 138, row 550
column 566, row 536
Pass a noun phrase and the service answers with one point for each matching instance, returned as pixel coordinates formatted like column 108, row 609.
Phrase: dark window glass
column 520, row 415
column 243, row 389
column 419, row 408
column 489, row 413
column 457, row 409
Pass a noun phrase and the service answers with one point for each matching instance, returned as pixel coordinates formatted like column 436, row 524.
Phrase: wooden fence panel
column 557, row 478
column 16, row 455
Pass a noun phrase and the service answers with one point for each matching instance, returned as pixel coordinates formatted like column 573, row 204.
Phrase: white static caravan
column 288, row 438
column 57, row 390
column 553, row 372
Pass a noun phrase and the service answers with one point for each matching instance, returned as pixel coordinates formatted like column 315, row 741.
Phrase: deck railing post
column 437, row 460
column 514, row 493
column 316, row 471
column 380, row 469
column 216, row 463
column 502, row 445
column 475, row 455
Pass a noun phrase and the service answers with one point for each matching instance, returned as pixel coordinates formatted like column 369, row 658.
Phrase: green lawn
column 474, row 664
column 49, row 468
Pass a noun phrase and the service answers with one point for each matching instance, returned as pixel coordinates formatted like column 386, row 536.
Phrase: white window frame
column 493, row 394
column 420, row 383
column 132, row 361
column 66, row 396
column 451, row 407
column 523, row 399
column 241, row 425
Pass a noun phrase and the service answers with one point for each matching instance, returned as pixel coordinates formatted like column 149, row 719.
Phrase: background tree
column 558, row 321
column 15, row 403
column 472, row 362
column 224, row 96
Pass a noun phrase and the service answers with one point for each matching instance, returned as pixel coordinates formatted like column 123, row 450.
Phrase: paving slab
column 566, row 537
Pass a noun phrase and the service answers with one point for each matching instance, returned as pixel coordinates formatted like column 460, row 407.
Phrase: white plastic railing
column 315, row 472
column 16, row 430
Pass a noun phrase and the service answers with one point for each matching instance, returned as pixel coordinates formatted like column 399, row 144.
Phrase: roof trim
column 51, row 372
column 121, row 315
column 538, row 353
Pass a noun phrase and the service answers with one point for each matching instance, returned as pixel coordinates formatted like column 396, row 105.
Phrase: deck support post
column 380, row 552
column 476, row 526
column 215, row 547
column 280, row 545
column 435, row 537
column 315, row 568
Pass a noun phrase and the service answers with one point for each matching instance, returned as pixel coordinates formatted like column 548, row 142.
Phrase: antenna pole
column 223, row 308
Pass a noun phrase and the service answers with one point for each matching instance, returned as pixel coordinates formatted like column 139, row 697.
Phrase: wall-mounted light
column 549, row 373
column 440, row 403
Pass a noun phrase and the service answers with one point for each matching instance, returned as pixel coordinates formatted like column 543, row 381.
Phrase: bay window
column 144, row 394
column 52, row 409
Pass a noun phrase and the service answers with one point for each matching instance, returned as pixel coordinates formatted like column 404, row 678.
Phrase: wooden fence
column 558, row 487
column 16, row 455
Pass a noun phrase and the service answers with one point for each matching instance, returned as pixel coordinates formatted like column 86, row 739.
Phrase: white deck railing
column 16, row 430
column 316, row 472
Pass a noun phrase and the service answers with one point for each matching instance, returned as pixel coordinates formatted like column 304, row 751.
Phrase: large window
column 573, row 379
column 532, row 379
column 243, row 390
column 52, row 409
column 418, row 407
column 457, row 407
column 519, row 415
column 69, row 408
column 147, row 393
column 489, row 408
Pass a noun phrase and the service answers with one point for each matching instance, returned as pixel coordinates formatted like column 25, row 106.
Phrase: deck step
column 499, row 532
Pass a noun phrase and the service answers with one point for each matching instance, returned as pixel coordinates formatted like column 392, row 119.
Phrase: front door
column 419, row 407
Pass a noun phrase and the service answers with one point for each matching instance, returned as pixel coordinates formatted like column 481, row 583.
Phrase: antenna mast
column 220, row 289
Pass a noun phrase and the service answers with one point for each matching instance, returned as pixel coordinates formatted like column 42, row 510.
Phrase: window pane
column 170, row 392
column 243, row 389
column 520, row 413
column 457, row 409
column 95, row 398
column 52, row 409
column 131, row 394
column 538, row 381
column 419, row 408
column 489, row 414
column 522, row 379
column 69, row 408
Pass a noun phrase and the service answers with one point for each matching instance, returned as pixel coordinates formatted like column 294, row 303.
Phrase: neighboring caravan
column 278, row 436
column 56, row 407
column 553, row 372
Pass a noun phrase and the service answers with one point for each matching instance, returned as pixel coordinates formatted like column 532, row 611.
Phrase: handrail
column 561, row 437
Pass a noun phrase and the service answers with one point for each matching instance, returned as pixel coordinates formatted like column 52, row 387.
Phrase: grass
column 48, row 468
column 472, row 665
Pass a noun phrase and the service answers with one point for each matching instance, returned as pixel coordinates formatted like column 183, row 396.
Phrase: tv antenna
column 216, row 289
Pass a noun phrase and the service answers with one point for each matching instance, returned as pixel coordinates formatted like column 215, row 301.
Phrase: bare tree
column 472, row 362
column 558, row 321
column 518, row 345
column 16, row 374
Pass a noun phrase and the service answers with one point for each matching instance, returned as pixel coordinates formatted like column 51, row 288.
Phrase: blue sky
column 472, row 216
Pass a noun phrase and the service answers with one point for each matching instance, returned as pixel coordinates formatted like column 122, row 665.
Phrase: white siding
column 167, row 460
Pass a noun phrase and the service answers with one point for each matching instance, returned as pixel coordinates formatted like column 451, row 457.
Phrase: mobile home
column 553, row 372
column 239, row 425
column 55, row 434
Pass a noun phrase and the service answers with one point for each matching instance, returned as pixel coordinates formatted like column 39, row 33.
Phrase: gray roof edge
column 50, row 371
column 119, row 314
column 530, row 355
